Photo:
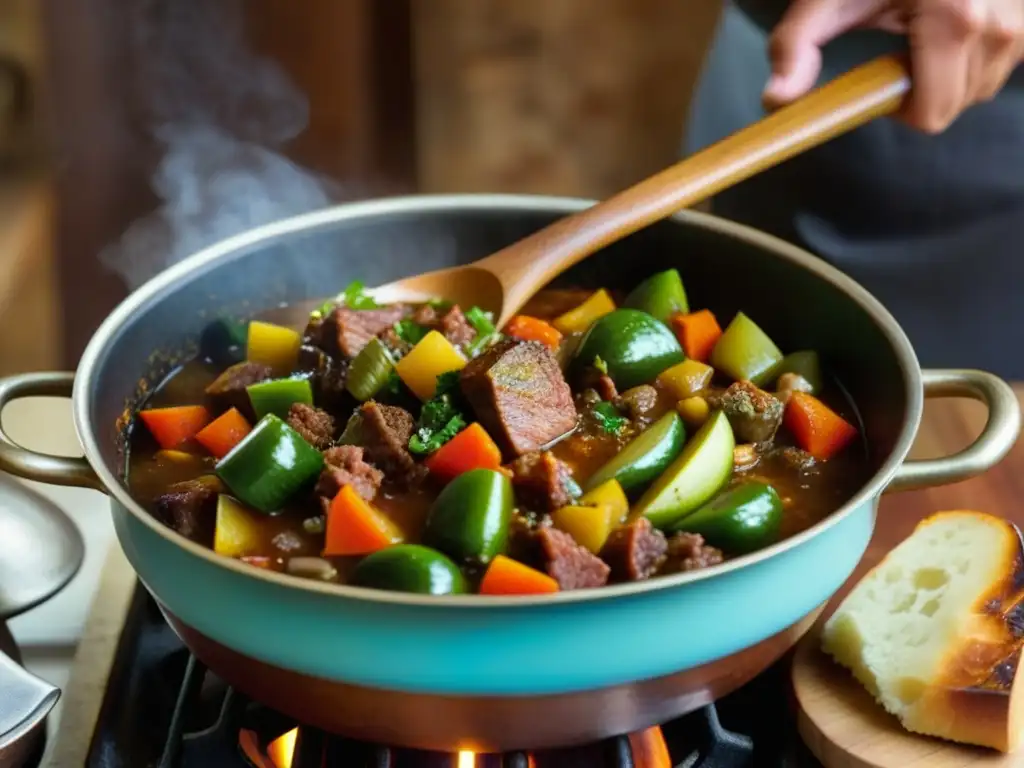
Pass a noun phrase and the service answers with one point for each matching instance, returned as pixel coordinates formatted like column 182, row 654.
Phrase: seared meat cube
column 347, row 331
column 190, row 508
column 519, row 395
column 425, row 315
column 798, row 459
column 754, row 414
column 228, row 390
column 606, row 388
column 635, row 551
column 638, row 402
column 571, row 565
column 315, row 426
column 540, row 482
column 454, row 326
column 344, row 465
column 689, row 552
column 383, row 431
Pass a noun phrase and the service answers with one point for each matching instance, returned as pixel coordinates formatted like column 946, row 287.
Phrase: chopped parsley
column 609, row 418
column 600, row 365
column 440, row 420
column 410, row 331
column 354, row 297
column 393, row 387
column 486, row 333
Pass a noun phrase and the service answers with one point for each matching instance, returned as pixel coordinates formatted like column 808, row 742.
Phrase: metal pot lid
column 26, row 702
column 40, row 548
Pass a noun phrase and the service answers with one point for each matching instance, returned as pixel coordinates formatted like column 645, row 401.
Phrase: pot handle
column 30, row 465
column 994, row 442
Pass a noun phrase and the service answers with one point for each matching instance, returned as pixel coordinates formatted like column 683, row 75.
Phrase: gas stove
column 162, row 708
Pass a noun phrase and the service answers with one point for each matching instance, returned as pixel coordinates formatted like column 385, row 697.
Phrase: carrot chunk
column 528, row 328
column 506, row 576
column 356, row 528
column 173, row 426
column 698, row 332
column 223, row 433
column 817, row 428
column 472, row 448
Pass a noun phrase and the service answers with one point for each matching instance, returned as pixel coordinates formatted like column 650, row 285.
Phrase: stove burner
column 164, row 709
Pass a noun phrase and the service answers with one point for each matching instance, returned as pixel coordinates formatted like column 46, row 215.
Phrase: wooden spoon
column 504, row 281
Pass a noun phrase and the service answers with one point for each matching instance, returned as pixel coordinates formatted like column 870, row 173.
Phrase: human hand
column 962, row 51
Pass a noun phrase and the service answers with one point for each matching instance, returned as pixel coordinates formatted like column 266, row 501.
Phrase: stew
column 419, row 448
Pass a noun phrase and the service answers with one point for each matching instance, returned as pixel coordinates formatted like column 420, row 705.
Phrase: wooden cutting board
column 838, row 720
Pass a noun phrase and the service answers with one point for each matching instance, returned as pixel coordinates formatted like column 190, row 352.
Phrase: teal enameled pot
column 486, row 672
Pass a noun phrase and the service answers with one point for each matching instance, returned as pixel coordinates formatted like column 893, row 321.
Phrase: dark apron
column 932, row 226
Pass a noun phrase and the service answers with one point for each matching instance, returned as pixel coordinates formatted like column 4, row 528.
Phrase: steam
column 220, row 116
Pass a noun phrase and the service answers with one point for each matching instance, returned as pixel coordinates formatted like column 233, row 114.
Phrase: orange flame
column 281, row 751
column 649, row 749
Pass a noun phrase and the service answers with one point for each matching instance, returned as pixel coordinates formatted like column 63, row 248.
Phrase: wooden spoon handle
column 869, row 91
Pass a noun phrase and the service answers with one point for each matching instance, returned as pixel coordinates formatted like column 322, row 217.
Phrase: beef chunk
column 606, row 388
column 571, row 565
column 754, row 414
column 344, row 465
column 346, row 331
column 425, row 315
column 190, row 508
column 688, row 552
column 315, row 426
column 797, row 459
column 228, row 389
column 635, row 551
column 540, row 481
column 454, row 326
column 638, row 402
column 383, row 431
column 519, row 395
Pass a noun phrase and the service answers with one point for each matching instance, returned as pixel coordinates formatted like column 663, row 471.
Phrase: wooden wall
column 578, row 97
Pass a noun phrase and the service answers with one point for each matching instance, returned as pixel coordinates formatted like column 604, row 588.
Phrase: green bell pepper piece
column 370, row 370
column 744, row 352
column 633, row 346
column 270, row 465
column 741, row 519
column 470, row 518
column 410, row 568
column 804, row 364
column 277, row 396
column 660, row 295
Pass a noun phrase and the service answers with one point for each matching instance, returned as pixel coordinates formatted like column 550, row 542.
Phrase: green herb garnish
column 440, row 420
column 609, row 418
column 486, row 333
column 355, row 297
column 410, row 331
column 601, row 366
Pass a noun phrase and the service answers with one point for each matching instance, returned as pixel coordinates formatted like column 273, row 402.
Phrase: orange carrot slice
column 354, row 527
column 472, row 448
column 817, row 428
column 529, row 328
column 505, row 576
column 173, row 426
column 698, row 332
column 223, row 433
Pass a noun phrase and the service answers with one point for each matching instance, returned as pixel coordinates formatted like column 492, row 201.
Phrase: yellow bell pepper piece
column 694, row 410
column 686, row 379
column 273, row 345
column 433, row 356
column 237, row 533
column 589, row 526
column 608, row 494
column 578, row 320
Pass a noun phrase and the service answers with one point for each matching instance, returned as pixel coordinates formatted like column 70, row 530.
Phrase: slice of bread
column 934, row 631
